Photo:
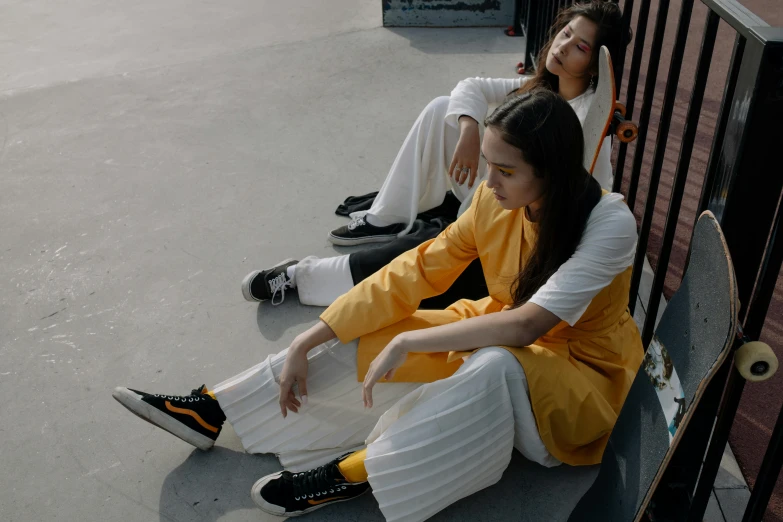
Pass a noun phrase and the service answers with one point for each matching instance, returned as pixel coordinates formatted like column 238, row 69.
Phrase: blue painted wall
column 447, row 13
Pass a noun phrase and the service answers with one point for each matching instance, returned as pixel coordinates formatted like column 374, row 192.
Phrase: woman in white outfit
column 438, row 167
column 428, row 405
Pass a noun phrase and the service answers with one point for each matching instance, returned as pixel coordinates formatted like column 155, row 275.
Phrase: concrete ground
column 152, row 154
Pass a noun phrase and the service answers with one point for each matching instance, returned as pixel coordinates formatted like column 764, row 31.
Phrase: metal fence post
column 744, row 197
column 748, row 181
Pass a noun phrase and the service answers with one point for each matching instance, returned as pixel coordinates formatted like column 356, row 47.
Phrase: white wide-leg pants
column 428, row 445
column 319, row 281
column 418, row 179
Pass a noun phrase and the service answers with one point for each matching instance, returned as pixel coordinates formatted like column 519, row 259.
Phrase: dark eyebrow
column 585, row 41
column 501, row 165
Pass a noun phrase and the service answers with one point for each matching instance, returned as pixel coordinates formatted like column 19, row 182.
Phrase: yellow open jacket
column 578, row 376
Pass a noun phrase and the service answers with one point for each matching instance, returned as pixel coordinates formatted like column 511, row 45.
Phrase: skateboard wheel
column 511, row 32
column 620, row 107
column 627, row 131
column 756, row 361
column 521, row 70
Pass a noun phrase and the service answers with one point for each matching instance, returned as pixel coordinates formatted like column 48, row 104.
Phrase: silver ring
column 465, row 169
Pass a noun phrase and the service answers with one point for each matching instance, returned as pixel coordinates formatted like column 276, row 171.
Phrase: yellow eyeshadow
column 506, row 171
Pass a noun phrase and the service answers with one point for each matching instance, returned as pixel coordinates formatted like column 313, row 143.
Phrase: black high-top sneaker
column 263, row 285
column 287, row 494
column 195, row 418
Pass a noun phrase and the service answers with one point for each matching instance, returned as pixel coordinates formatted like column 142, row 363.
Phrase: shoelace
column 279, row 284
column 195, row 396
column 316, row 483
column 356, row 222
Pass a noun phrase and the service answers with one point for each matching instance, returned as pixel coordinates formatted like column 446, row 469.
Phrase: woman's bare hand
column 294, row 373
column 464, row 163
column 383, row 367
column 295, row 366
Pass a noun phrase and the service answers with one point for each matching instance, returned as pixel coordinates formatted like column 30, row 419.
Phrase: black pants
column 469, row 285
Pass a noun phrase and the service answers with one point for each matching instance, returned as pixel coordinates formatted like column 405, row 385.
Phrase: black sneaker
column 262, row 285
column 289, row 494
column 195, row 418
column 359, row 232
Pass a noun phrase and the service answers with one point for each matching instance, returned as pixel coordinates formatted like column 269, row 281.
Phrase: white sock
column 291, row 273
column 378, row 221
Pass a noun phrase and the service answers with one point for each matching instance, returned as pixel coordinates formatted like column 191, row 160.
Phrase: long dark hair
column 546, row 130
column 606, row 15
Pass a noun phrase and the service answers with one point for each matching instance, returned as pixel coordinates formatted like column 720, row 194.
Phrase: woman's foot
column 196, row 418
column 263, row 285
column 289, row 494
column 360, row 232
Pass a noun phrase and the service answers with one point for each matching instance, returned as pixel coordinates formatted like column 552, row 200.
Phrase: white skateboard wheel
column 756, row 361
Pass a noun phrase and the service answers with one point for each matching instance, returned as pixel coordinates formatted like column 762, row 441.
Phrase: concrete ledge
column 447, row 13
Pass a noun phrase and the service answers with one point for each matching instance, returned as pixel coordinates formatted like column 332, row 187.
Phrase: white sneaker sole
column 143, row 410
column 249, row 278
column 272, row 509
column 342, row 241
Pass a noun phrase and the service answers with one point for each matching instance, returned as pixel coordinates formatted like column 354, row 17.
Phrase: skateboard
column 694, row 337
column 606, row 115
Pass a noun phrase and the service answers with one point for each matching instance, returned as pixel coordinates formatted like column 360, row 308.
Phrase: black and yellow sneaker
column 287, row 494
column 196, row 418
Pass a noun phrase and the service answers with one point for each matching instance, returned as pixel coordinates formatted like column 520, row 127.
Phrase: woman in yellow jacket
column 428, row 405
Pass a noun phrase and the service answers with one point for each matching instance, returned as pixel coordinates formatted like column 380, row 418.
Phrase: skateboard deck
column 691, row 342
column 606, row 115
column 599, row 116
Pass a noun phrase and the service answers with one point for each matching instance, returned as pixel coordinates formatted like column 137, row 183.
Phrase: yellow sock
column 352, row 467
column 207, row 392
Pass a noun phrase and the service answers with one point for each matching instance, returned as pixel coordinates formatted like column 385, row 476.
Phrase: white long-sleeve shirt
column 474, row 96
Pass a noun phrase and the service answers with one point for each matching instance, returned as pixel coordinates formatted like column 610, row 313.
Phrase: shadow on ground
column 453, row 41
column 207, row 486
column 274, row 321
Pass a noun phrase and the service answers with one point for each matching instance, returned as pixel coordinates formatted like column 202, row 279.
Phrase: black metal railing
column 742, row 186
column 633, row 82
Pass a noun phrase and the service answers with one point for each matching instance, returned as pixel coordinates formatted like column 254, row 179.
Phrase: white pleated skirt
column 428, row 445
